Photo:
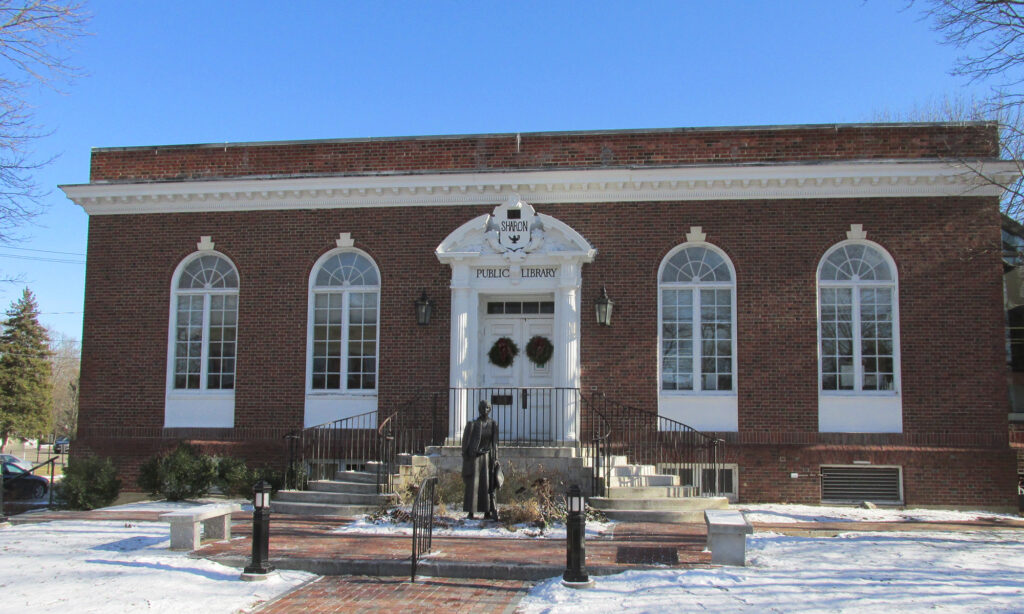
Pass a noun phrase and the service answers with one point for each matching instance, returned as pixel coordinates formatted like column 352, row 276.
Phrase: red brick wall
column 548, row 150
column 931, row 476
column 951, row 323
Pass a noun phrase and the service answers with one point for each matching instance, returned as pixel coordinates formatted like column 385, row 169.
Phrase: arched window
column 697, row 320
column 857, row 319
column 343, row 332
column 205, row 324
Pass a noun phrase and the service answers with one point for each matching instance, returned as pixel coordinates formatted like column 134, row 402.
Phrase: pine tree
column 25, row 390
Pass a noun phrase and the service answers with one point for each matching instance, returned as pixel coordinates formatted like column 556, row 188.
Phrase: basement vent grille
column 857, row 484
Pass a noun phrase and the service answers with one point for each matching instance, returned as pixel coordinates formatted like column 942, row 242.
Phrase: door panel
column 521, row 413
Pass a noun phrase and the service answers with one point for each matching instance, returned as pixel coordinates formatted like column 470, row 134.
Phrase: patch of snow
column 854, row 572
column 785, row 513
column 108, row 566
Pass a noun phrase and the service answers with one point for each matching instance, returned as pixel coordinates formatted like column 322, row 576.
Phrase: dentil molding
column 870, row 179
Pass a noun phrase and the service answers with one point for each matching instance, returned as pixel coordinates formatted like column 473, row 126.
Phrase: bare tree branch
column 990, row 34
column 35, row 47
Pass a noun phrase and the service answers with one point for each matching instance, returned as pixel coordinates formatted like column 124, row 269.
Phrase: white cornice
column 824, row 180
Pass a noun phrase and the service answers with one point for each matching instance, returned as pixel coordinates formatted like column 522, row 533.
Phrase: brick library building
column 767, row 314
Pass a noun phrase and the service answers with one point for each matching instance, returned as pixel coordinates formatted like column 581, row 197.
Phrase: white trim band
column 734, row 182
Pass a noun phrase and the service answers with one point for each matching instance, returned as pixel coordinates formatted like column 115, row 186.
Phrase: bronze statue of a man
column 480, row 464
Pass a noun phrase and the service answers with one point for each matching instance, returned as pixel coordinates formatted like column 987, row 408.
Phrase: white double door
column 523, row 402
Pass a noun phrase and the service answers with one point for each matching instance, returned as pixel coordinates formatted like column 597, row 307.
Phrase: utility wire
column 41, row 259
column 43, row 251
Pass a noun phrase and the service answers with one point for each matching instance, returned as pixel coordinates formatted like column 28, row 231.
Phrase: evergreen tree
column 25, row 389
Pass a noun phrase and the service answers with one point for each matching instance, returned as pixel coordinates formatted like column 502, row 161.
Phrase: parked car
column 62, row 445
column 18, row 482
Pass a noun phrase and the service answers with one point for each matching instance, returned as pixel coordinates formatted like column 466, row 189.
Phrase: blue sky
column 201, row 72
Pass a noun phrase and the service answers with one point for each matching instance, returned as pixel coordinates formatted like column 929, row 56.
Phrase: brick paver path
column 358, row 594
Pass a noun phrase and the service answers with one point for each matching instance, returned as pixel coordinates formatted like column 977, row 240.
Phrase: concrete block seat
column 215, row 520
column 727, row 536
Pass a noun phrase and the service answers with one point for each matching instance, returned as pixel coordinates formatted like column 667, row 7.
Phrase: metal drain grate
column 856, row 484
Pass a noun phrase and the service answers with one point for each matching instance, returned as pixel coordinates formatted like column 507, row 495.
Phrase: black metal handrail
column 613, row 429
column 422, row 522
column 526, row 416
column 7, row 480
column 339, row 445
column 358, row 442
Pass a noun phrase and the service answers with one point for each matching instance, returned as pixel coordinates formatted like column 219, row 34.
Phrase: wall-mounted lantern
column 423, row 308
column 603, row 306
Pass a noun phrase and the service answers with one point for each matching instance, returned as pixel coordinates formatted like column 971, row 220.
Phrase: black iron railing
column 614, row 429
column 365, row 442
column 14, row 478
column 526, row 416
column 422, row 522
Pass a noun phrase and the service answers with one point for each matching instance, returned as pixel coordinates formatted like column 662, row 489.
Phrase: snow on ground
column 107, row 566
column 854, row 572
column 785, row 513
column 461, row 527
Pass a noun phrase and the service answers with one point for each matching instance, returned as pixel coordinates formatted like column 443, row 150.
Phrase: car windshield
column 15, row 465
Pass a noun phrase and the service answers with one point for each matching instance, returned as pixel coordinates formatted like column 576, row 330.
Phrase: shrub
column 185, row 473
column 521, row 512
column 88, row 483
column 234, row 478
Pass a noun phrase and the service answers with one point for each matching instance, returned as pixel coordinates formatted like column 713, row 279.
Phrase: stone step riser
column 642, row 481
column 355, row 488
column 634, row 470
column 659, row 503
column 650, row 492
column 316, row 509
column 331, row 498
column 655, row 515
column 356, row 476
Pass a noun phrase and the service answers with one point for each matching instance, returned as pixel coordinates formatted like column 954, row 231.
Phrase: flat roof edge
column 627, row 131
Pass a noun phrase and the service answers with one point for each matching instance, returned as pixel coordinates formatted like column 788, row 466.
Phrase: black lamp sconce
column 603, row 306
column 423, row 308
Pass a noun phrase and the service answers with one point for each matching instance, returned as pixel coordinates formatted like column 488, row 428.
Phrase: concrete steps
column 638, row 493
column 351, row 493
column 320, row 509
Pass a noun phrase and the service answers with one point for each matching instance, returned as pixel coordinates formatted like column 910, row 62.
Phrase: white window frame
column 343, row 392
column 198, row 407
column 859, row 410
column 711, row 410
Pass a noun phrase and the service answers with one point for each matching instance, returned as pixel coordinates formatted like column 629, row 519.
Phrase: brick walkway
column 358, row 594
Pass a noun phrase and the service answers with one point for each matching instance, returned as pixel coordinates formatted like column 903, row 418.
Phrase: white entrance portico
column 516, row 274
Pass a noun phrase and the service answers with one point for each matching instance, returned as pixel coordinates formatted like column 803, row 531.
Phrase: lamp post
column 575, row 575
column 259, row 565
column 423, row 308
column 603, row 307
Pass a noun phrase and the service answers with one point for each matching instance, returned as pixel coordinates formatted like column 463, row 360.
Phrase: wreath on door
column 539, row 350
column 503, row 352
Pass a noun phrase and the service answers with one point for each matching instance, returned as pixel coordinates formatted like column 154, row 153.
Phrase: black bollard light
column 259, row 565
column 575, row 575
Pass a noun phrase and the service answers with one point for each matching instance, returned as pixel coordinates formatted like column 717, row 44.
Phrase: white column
column 566, row 368
column 461, row 361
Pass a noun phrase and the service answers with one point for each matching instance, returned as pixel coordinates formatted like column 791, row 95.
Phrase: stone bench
column 727, row 536
column 215, row 520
